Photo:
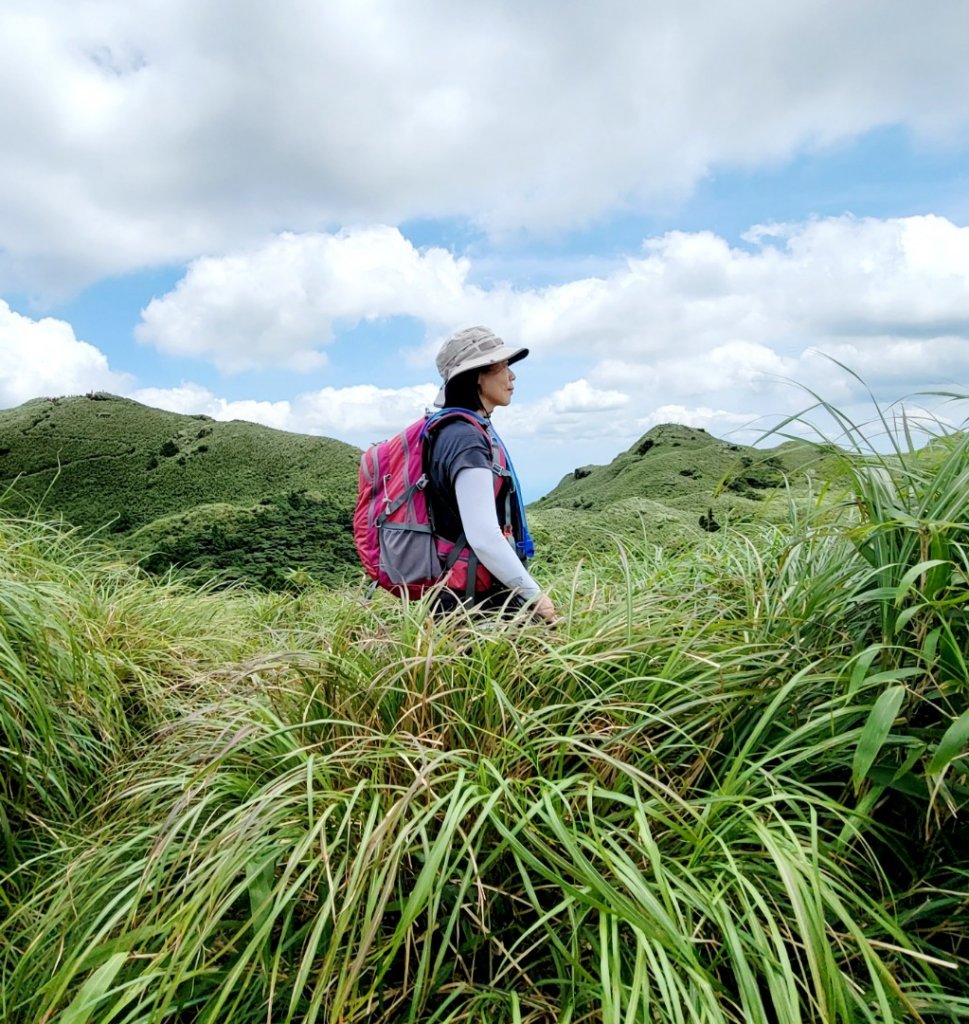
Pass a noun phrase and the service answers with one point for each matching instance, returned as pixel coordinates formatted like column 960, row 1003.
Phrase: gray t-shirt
column 456, row 445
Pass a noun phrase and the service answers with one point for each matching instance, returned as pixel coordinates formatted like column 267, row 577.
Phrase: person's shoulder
column 460, row 427
column 456, row 436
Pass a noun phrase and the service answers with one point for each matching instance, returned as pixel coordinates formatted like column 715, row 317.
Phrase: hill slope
column 241, row 500
column 187, row 489
column 686, row 469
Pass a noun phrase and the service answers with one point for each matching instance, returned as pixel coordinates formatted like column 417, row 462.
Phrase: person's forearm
column 474, row 490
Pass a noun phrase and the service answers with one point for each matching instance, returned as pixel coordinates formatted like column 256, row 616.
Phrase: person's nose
column 511, row 373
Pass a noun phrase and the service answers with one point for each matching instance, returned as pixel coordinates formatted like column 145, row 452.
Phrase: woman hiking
column 474, row 496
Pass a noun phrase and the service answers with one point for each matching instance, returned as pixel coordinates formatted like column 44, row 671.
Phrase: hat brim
column 479, row 362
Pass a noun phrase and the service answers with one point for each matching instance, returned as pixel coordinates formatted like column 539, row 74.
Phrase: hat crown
column 469, row 344
column 474, row 348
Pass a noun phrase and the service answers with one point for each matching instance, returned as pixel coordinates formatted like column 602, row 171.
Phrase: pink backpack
column 392, row 527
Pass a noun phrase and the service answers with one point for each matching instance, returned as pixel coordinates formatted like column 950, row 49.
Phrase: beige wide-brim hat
column 472, row 349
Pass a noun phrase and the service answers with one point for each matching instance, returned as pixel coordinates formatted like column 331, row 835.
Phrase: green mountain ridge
column 241, row 500
column 223, row 498
column 686, row 469
column 97, row 457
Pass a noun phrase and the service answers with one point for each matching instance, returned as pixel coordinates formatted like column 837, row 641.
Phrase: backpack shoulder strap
column 500, row 462
column 437, row 418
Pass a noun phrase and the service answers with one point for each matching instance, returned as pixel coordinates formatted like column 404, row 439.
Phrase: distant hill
column 707, row 481
column 244, row 501
column 564, row 536
column 235, row 498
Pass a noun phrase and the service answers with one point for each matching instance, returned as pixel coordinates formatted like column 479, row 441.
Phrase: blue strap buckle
column 525, row 548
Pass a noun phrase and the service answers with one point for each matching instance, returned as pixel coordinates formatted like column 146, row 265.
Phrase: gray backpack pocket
column 408, row 553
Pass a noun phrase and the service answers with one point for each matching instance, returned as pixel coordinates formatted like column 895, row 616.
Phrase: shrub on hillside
column 260, row 546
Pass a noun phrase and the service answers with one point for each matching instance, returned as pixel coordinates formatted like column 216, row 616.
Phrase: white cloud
column 276, row 305
column 575, row 412
column 717, row 326
column 863, row 276
column 358, row 415
column 719, row 422
column 145, row 133
column 363, row 414
column 192, row 399
column 44, row 358
column 883, row 361
column 690, row 315
column 737, row 366
column 578, row 396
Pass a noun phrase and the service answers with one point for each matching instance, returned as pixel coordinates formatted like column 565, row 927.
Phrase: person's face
column 496, row 386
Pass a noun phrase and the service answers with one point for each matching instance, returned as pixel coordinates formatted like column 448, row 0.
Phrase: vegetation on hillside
column 237, row 502
column 566, row 536
column 730, row 786
column 290, row 540
column 709, row 482
column 170, row 488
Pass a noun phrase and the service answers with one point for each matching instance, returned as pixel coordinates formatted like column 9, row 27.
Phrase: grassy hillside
column 241, row 501
column 238, row 500
column 283, row 541
column 564, row 536
column 184, row 489
column 729, row 787
column 711, row 482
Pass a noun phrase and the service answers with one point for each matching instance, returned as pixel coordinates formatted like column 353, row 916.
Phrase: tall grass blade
column 83, row 1005
column 954, row 743
column 875, row 732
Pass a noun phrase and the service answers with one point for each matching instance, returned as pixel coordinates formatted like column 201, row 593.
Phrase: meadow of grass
column 99, row 459
column 242, row 502
column 730, row 785
column 228, row 500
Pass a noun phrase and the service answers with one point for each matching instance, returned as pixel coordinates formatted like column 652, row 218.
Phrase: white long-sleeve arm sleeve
column 475, row 493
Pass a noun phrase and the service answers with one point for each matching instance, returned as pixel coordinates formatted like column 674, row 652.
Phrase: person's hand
column 544, row 609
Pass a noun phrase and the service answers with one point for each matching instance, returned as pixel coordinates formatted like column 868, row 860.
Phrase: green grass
column 237, row 501
column 171, row 489
column 92, row 653
column 691, row 472
column 731, row 785
column 282, row 542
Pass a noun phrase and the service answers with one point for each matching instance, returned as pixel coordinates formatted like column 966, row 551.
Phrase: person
column 476, row 369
